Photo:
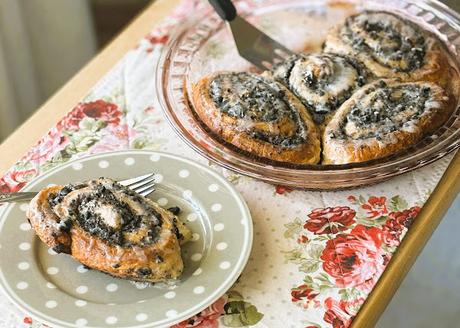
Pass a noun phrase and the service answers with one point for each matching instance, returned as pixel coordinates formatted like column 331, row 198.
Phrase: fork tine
column 130, row 182
column 142, row 183
column 147, row 192
column 143, row 189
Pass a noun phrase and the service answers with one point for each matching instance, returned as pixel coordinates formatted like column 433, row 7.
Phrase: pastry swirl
column 110, row 228
column 257, row 115
column 321, row 81
column 391, row 47
column 384, row 117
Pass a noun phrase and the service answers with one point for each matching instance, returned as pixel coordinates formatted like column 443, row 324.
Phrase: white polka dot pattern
column 171, row 313
column 104, row 164
column 129, row 161
column 111, row 320
column 158, row 178
column 155, row 157
column 25, row 226
column 111, row 287
column 22, row 285
column 81, row 289
column 141, row 317
column 24, row 246
column 221, row 246
column 77, row 166
column 184, row 173
column 81, row 322
column 213, row 188
column 192, row 217
column 198, row 290
column 198, row 272
column 201, row 207
column 80, row 303
column 224, row 265
column 187, row 194
column 216, row 207
column 196, row 257
column 23, row 266
column 52, row 270
column 170, row 295
column 219, row 227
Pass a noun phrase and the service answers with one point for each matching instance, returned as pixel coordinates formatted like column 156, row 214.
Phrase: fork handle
column 224, row 8
column 16, row 197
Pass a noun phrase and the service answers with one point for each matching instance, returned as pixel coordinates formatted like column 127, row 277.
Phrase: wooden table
column 60, row 103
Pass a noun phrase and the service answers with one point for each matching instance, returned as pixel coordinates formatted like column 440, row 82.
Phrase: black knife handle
column 224, row 8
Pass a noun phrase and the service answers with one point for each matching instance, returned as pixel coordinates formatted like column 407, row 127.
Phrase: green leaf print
column 315, row 251
column 309, row 266
column 293, row 228
column 397, row 203
column 239, row 313
column 295, row 256
column 372, row 222
column 92, row 125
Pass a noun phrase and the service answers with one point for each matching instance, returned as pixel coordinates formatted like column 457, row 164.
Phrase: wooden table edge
column 19, row 142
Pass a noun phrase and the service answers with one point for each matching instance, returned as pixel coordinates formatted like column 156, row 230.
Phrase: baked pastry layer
column 383, row 118
column 110, row 228
column 257, row 115
column 321, row 81
column 391, row 47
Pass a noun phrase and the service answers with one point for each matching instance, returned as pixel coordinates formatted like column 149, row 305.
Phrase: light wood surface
column 18, row 143
column 47, row 116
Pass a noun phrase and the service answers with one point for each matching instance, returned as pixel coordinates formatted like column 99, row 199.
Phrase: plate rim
column 214, row 296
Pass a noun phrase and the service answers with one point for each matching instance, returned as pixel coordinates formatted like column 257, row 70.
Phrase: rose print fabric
column 316, row 255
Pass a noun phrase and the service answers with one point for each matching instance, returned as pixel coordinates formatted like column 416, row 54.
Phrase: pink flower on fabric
column 394, row 226
column 50, row 144
column 355, row 259
column 302, row 292
column 115, row 138
column 208, row 318
column 99, row 109
column 375, row 206
column 14, row 180
column 341, row 313
column 330, row 220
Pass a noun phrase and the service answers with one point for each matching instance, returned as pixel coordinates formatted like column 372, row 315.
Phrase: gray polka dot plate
column 57, row 290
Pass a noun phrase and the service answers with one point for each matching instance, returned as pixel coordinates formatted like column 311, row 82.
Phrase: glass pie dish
column 204, row 45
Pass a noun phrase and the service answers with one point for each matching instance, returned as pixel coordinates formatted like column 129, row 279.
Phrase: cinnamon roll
column 110, row 228
column 383, row 118
column 258, row 115
column 391, row 47
column 321, row 81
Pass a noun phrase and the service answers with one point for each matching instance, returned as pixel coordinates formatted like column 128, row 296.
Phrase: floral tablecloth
column 316, row 255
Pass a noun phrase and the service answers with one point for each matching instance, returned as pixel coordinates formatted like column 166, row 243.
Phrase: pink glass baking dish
column 204, row 45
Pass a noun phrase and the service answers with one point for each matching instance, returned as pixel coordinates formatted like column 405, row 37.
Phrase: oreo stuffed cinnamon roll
column 391, row 47
column 110, row 228
column 258, row 115
column 321, row 81
column 383, row 118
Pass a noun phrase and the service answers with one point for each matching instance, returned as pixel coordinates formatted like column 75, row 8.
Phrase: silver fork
column 143, row 185
column 252, row 44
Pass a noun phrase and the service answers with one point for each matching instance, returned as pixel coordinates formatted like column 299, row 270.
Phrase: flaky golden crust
column 229, row 129
column 45, row 222
column 435, row 64
column 126, row 262
column 342, row 148
column 157, row 261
